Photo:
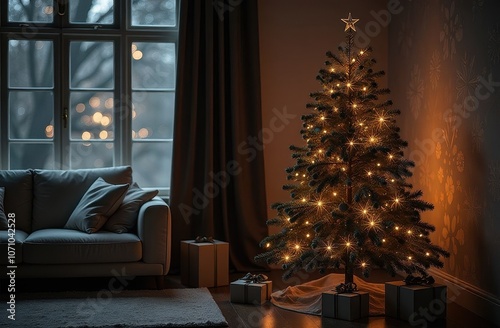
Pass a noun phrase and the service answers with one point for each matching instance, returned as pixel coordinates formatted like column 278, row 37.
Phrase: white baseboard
column 473, row 298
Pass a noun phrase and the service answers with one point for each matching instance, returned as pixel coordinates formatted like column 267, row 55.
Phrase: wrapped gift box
column 242, row 291
column 204, row 264
column 415, row 302
column 345, row 306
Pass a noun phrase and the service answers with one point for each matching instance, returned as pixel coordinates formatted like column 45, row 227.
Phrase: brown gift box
column 415, row 302
column 243, row 291
column 204, row 264
column 345, row 306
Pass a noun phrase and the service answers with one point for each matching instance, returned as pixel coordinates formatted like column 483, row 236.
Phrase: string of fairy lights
column 350, row 202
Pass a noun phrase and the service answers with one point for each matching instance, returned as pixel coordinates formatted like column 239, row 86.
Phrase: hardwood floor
column 268, row 315
column 251, row 316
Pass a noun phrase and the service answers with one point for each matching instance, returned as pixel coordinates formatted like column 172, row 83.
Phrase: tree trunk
column 348, row 272
column 348, row 265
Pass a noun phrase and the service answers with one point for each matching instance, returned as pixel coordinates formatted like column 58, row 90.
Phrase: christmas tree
column 351, row 204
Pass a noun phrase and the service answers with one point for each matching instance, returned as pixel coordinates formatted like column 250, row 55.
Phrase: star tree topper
column 350, row 23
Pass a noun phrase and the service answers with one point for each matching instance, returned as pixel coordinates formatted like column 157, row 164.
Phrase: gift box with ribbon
column 415, row 299
column 251, row 289
column 352, row 305
column 204, row 262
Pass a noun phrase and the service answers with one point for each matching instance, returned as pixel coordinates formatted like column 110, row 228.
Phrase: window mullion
column 120, row 104
column 64, row 127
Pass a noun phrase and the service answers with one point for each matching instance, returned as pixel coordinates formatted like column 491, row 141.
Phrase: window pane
column 153, row 65
column 92, row 65
column 31, row 64
column 91, row 115
column 91, row 11
column 31, row 155
column 40, row 11
column 152, row 162
column 91, row 154
column 153, row 115
column 31, row 115
column 153, row 13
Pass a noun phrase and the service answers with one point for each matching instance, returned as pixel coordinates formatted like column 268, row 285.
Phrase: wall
column 294, row 37
column 442, row 55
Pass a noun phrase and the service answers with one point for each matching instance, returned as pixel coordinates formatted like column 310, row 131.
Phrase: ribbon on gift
column 203, row 239
column 210, row 239
column 254, row 278
column 426, row 281
column 413, row 280
column 349, row 287
column 336, row 300
column 250, row 279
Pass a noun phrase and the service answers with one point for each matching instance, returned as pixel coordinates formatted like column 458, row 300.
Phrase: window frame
column 61, row 32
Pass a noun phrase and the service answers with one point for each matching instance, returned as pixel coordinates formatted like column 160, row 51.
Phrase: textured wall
column 444, row 63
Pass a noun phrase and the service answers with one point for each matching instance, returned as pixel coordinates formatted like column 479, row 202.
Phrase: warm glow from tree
column 349, row 192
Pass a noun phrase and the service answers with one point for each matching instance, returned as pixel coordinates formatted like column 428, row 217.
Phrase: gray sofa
column 43, row 200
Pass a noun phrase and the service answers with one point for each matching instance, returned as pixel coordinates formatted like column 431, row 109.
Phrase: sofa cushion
column 3, row 218
column 63, row 246
column 19, row 239
column 58, row 192
column 18, row 198
column 125, row 218
column 100, row 201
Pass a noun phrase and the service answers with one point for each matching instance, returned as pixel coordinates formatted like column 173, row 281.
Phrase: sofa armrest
column 154, row 230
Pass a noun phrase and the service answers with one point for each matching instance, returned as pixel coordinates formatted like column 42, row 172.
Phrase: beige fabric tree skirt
column 306, row 298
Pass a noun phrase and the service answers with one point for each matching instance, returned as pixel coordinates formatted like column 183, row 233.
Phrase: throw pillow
column 53, row 212
column 4, row 224
column 125, row 218
column 100, row 201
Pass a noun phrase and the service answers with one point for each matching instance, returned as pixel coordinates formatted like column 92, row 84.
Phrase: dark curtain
column 218, row 184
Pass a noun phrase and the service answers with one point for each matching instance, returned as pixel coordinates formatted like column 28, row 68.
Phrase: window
column 89, row 83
